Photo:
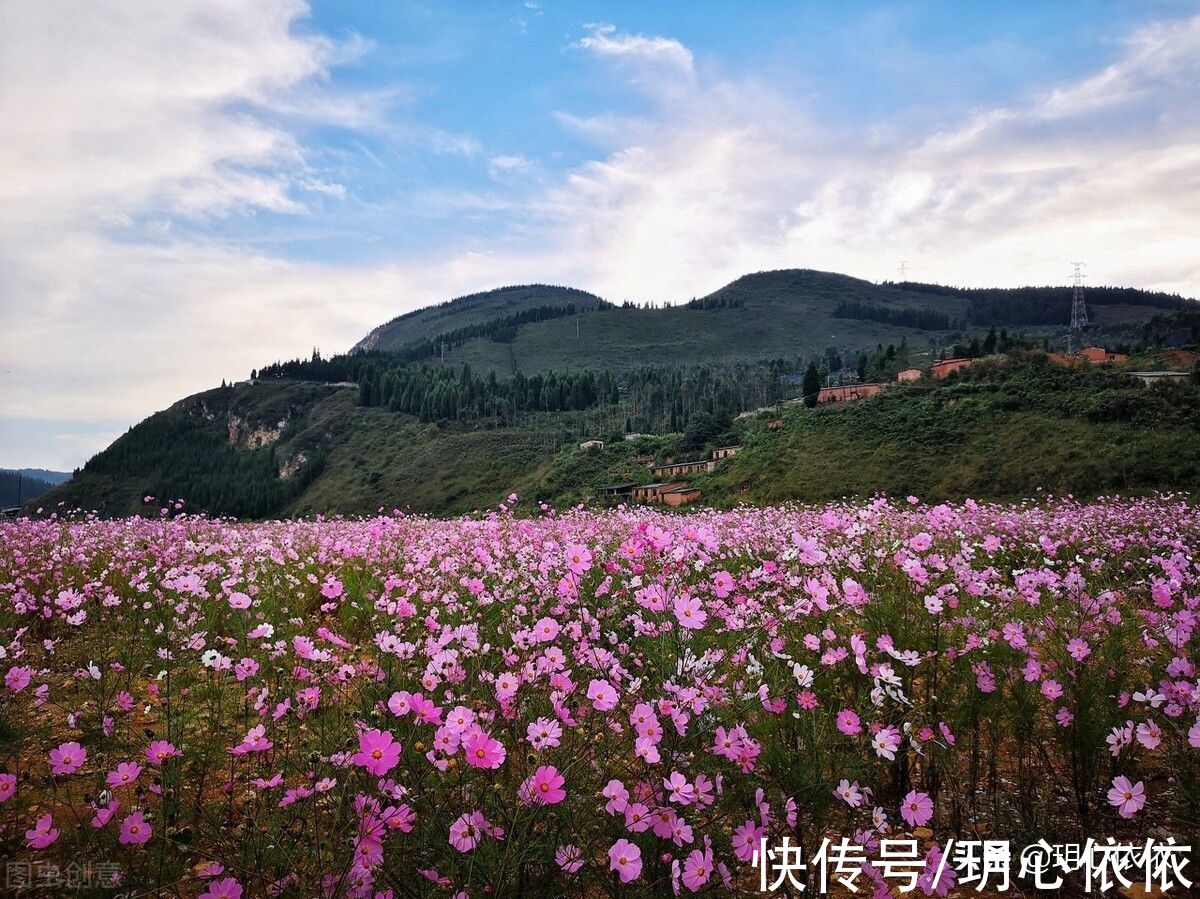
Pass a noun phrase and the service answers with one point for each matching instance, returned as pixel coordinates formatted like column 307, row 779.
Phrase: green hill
column 532, row 371
column 769, row 315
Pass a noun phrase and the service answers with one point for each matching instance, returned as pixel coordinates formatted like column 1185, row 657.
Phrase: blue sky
column 190, row 190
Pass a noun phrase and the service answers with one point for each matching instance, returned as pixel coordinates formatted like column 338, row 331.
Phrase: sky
column 189, row 190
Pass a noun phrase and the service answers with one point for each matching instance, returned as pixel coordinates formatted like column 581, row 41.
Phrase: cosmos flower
column 1127, row 798
column 625, row 858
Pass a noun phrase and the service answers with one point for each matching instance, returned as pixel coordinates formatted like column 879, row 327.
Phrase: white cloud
column 121, row 122
column 659, row 52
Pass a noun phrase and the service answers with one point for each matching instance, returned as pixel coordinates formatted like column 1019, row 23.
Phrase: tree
column 811, row 384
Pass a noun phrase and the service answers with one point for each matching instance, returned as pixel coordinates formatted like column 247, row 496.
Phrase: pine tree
column 811, row 384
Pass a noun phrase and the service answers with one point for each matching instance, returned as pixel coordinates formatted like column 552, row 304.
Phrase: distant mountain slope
column 19, row 486
column 390, row 427
column 474, row 309
column 780, row 314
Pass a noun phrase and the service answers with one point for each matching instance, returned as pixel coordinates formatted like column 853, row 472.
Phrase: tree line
column 924, row 319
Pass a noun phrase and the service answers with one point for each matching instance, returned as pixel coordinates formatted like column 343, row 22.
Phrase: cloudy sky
column 191, row 189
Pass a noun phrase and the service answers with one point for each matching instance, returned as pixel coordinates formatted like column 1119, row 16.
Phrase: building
column 946, row 367
column 724, row 452
column 650, row 493
column 680, row 496
column 1159, row 377
column 592, row 445
column 909, row 374
column 617, row 489
column 679, row 469
column 848, row 393
column 1101, row 355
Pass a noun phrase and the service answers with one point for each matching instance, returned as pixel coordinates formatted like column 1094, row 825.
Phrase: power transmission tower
column 1079, row 316
column 903, row 269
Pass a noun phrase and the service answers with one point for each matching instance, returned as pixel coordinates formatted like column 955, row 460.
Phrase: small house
column 651, row 493
column 847, row 393
column 1101, row 355
column 590, row 445
column 724, row 452
column 680, row 496
column 947, row 367
column 617, row 489
column 679, row 469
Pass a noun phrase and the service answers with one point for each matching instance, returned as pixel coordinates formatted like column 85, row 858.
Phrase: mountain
column 21, row 485
column 769, row 315
column 530, row 372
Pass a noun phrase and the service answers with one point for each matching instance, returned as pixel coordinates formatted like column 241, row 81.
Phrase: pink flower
column 579, row 559
column 238, row 601
column 161, row 750
column 689, row 612
column 126, row 773
column 697, row 868
column 135, row 830
column 484, row 752
column 916, row 809
column 602, row 694
column 1078, row 649
column 886, row 742
column 18, row 678
column 43, row 833
column 746, row 840
column 466, row 831
column 543, row 787
column 626, row 859
column 1127, row 798
column 569, row 858
column 226, row 888
column 378, row 752
column 67, row 758
column 1052, row 689
column 1194, row 735
column 104, row 814
column 848, row 722
column 8, row 786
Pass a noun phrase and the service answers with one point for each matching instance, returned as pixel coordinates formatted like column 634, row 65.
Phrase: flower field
column 595, row 703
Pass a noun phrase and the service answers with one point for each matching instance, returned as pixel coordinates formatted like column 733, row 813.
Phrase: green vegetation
column 17, row 488
column 996, row 430
column 533, row 371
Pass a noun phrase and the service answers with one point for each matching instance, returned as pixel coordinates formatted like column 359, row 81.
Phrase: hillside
column 1005, row 428
column 769, row 315
column 19, row 486
column 533, row 371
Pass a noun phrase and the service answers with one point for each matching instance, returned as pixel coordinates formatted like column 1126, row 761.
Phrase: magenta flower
column 18, row 678
column 465, row 831
column 135, row 830
column 543, row 787
column 226, row 888
column 483, row 751
column 1127, row 798
column 689, row 612
column 916, row 809
column 849, row 723
column 602, row 694
column 626, row 859
column 378, row 752
column 8, row 786
column 66, row 758
column 43, row 833
column 239, row 601
column 569, row 858
column 697, row 869
column 126, row 773
column 579, row 559
column 160, row 750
